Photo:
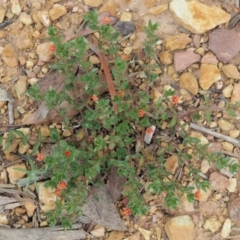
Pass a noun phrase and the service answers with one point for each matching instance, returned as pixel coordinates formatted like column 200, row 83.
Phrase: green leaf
column 173, row 122
column 54, row 134
column 21, row 135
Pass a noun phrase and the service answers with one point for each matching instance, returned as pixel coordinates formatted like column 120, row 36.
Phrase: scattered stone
column 94, row 60
column 19, row 210
column 234, row 133
column 234, row 209
column 14, row 174
column 178, row 41
column 2, row 14
column 125, row 28
column 209, row 58
column 45, row 131
column 171, row 164
column 166, row 57
column 44, row 18
column 213, row 224
column 189, row 82
column 185, row 94
column 146, row 234
column 231, row 71
column 225, row 125
column 235, row 93
column 67, row 133
column 197, row 17
column 25, row 39
column 158, row 9
column 209, row 74
column 110, row 6
column 23, row 148
column 21, row 87
column 10, row 56
column 25, row 18
column 57, row 11
column 203, row 140
column 98, row 231
column 227, row 91
column 116, row 235
column 235, row 60
column 227, row 146
column 224, row 43
column 3, row 219
column 16, row 7
column 184, row 59
column 226, row 229
column 93, row 3
column 218, row 181
column 43, row 51
column 187, row 206
column 233, row 185
column 126, row 17
column 205, row 166
column 127, row 50
column 46, row 197
column 181, row 227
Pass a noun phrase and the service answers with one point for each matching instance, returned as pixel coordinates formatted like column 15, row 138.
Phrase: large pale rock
column 3, row 219
column 179, row 228
column 57, row 11
column 25, row 18
column 2, row 14
column 209, row 58
column 171, row 164
column 235, row 93
column 43, row 51
column 44, row 18
column 166, row 57
column 225, row 125
column 47, row 197
column 93, row 3
column 218, row 182
column 25, row 39
column 209, row 74
column 156, row 10
column 14, row 174
column 224, row 43
column 184, row 59
column 178, row 41
column 213, row 224
column 231, row 71
column 226, row 229
column 10, row 56
column 15, row 7
column 197, row 17
column 188, row 81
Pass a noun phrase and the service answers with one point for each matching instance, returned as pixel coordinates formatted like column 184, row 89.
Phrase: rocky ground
column 198, row 53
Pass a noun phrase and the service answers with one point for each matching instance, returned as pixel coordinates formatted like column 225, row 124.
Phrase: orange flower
column 124, row 57
column 58, row 191
column 67, row 153
column 120, row 94
column 163, row 194
column 62, row 185
column 127, row 211
column 149, row 130
column 197, row 194
column 40, row 157
column 95, row 98
column 106, row 20
column 52, row 48
column 175, row 99
column 141, row 113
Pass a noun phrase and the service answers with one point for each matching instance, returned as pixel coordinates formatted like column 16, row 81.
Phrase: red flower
column 127, row 211
column 124, row 57
column 95, row 98
column 175, row 99
column 40, row 157
column 141, row 113
column 120, row 94
column 52, row 48
column 62, row 185
column 149, row 130
column 197, row 194
column 58, row 191
column 67, row 153
column 106, row 20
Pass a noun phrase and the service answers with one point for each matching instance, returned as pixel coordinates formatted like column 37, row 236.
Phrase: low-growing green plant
column 107, row 138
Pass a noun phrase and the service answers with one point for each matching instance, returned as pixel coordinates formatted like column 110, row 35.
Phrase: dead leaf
column 100, row 208
column 115, row 184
